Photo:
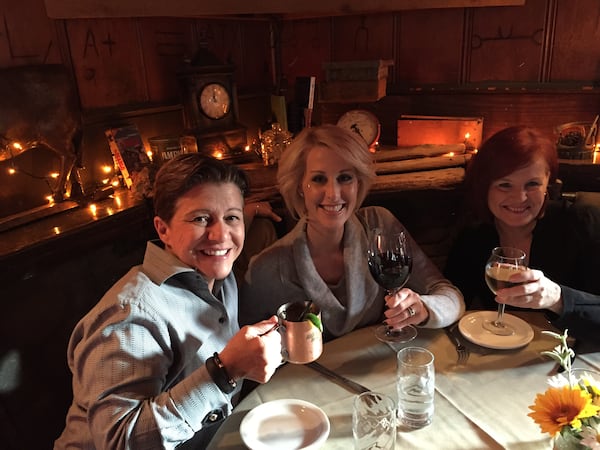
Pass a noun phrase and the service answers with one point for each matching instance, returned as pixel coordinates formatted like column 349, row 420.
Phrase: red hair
column 506, row 151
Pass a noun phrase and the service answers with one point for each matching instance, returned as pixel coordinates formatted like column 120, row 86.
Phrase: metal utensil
column 350, row 385
column 462, row 352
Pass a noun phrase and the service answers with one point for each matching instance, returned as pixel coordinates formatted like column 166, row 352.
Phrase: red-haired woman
column 507, row 204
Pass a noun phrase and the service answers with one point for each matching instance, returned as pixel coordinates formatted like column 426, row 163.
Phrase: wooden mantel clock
column 210, row 111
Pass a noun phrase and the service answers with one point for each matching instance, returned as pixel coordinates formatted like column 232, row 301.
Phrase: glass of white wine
column 501, row 265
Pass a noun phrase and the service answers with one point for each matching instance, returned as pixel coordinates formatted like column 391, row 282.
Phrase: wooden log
column 418, row 151
column 418, row 164
column 430, row 179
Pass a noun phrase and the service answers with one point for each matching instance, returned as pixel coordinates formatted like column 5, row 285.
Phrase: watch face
column 214, row 100
column 362, row 122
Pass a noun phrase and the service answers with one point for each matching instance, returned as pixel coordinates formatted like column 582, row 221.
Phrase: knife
column 350, row 385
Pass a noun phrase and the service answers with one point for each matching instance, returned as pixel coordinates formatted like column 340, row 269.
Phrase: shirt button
column 213, row 417
column 221, row 319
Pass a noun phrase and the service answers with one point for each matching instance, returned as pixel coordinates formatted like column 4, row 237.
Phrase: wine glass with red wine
column 501, row 265
column 390, row 264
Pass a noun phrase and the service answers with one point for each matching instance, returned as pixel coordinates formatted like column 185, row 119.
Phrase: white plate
column 287, row 424
column 471, row 327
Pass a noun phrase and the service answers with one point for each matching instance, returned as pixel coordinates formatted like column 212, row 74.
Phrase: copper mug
column 301, row 340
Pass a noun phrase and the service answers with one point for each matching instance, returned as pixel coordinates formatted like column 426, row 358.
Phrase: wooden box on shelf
column 354, row 81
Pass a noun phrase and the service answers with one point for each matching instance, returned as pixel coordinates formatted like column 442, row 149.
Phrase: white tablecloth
column 482, row 405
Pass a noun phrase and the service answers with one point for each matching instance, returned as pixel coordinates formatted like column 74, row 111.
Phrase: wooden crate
column 343, row 91
column 417, row 130
column 357, row 70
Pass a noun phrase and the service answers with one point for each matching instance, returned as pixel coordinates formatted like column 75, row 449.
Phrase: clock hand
column 354, row 127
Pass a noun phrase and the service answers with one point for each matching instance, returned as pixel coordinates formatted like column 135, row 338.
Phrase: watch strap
column 219, row 374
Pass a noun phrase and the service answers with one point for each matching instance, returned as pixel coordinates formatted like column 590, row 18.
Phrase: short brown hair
column 184, row 172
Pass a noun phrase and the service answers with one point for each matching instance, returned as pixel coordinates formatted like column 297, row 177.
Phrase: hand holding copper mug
column 301, row 331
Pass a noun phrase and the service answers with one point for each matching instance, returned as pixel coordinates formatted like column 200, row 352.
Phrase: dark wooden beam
column 80, row 9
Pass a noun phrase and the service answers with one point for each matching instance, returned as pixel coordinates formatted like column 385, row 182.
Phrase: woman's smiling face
column 207, row 229
column 329, row 187
column 517, row 198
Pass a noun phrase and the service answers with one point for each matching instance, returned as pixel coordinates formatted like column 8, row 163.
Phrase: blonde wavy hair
column 347, row 145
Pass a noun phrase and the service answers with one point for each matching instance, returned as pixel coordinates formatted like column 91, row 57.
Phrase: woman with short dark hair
column 157, row 362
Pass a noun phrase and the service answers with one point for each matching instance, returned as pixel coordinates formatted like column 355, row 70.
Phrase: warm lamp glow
column 11, row 170
column 56, row 230
column 149, row 153
column 107, row 169
column 50, row 199
column 17, row 146
column 217, row 154
column 93, row 209
column 54, row 175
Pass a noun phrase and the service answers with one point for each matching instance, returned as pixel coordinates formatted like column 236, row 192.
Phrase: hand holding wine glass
column 390, row 264
column 501, row 265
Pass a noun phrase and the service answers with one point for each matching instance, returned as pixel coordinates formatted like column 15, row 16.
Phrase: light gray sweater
column 285, row 272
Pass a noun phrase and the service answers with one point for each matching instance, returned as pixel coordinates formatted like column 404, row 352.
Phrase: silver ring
column 411, row 311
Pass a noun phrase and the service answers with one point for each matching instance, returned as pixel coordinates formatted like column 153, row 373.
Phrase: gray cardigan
column 285, row 272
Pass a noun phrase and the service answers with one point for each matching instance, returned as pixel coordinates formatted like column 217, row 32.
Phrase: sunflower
column 559, row 407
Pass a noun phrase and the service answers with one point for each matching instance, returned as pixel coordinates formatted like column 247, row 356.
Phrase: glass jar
column 273, row 143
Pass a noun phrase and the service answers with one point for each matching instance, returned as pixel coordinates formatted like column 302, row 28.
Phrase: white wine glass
column 501, row 265
column 390, row 264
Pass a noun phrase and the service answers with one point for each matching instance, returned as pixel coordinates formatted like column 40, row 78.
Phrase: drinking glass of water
column 415, row 383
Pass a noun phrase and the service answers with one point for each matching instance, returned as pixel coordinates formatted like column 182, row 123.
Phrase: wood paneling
column 429, row 47
column 27, row 36
column 193, row 8
column 507, row 43
column 359, row 38
column 108, row 64
column 243, row 43
column 165, row 44
column 576, row 51
column 305, row 45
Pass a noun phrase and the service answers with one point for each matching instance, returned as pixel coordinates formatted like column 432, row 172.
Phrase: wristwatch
column 219, row 374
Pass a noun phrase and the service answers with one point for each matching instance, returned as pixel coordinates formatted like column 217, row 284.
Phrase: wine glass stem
column 392, row 292
column 500, row 319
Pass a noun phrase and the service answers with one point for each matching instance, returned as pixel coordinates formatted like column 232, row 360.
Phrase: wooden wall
column 132, row 62
column 535, row 64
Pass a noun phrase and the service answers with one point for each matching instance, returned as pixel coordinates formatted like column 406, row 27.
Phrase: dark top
column 565, row 246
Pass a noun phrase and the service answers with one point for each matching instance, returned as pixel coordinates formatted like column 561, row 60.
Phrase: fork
column 462, row 352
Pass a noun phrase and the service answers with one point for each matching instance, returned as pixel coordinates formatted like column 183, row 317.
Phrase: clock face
column 362, row 122
column 215, row 101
